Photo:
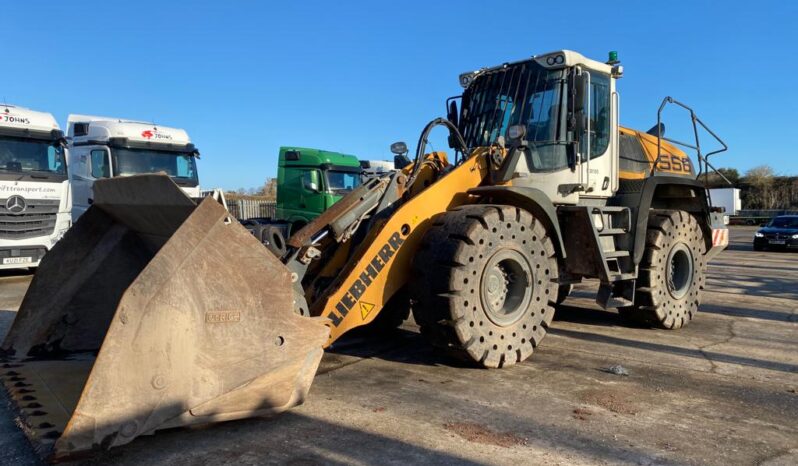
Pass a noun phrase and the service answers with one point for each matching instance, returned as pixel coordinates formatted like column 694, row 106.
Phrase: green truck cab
column 309, row 181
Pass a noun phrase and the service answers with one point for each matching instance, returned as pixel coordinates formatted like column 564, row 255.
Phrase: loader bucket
column 153, row 312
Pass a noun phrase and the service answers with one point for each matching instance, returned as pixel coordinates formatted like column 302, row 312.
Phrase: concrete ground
column 721, row 391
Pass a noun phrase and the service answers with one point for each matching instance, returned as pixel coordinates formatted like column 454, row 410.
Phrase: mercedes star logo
column 16, row 204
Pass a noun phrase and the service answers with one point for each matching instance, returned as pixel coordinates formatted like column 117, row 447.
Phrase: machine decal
column 222, row 317
column 365, row 309
column 356, row 290
column 674, row 163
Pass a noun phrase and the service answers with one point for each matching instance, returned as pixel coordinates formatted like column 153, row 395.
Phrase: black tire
column 272, row 237
column 484, row 284
column 672, row 272
column 758, row 247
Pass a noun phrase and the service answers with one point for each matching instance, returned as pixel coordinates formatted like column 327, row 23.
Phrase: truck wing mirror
column 310, row 181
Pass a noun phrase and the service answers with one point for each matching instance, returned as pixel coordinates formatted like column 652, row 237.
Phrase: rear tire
column 485, row 283
column 672, row 272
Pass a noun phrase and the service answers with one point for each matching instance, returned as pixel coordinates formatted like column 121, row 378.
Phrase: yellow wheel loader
column 155, row 312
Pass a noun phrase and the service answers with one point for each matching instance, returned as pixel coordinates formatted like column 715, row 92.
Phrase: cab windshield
column 181, row 166
column 342, row 180
column 520, row 94
column 38, row 158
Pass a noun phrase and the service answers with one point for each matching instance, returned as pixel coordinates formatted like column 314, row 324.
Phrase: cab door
column 599, row 139
column 91, row 164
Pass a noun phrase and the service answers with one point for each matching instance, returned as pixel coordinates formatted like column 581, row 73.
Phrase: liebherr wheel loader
column 154, row 312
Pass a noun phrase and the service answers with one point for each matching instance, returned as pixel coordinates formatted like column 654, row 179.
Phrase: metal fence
column 243, row 209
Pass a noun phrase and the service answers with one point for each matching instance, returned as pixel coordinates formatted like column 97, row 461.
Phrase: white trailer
column 35, row 200
column 728, row 198
column 102, row 147
column 375, row 168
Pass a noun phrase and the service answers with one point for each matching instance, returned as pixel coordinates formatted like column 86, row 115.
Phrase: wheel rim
column 679, row 270
column 506, row 287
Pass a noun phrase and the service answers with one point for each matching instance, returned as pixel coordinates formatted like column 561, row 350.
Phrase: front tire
column 485, row 283
column 672, row 272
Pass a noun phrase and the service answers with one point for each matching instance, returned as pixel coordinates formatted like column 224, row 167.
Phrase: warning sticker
column 365, row 309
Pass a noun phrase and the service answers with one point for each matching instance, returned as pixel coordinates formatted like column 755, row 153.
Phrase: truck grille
column 38, row 219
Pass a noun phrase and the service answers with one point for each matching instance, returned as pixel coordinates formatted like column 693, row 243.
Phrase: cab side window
column 599, row 115
column 99, row 164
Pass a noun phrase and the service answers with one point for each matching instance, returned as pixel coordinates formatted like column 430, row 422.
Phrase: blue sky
column 247, row 77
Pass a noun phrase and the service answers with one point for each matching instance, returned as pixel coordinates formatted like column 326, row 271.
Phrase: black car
column 781, row 232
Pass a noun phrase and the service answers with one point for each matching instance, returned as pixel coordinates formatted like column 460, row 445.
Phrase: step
column 616, row 302
column 615, row 254
column 609, row 209
column 617, row 277
column 612, row 231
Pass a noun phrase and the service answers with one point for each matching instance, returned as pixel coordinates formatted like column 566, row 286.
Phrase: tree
column 731, row 174
column 760, row 193
column 269, row 190
column 761, row 176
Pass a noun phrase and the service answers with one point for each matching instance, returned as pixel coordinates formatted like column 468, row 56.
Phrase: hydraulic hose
column 422, row 144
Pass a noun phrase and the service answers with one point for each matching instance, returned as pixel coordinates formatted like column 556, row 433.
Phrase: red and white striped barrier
column 720, row 237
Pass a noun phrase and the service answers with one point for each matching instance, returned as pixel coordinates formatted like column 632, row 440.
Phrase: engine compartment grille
column 38, row 219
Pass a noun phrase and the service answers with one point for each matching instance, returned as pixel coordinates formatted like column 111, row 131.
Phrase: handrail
column 703, row 160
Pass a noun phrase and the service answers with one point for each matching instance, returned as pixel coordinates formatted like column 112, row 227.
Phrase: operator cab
column 563, row 107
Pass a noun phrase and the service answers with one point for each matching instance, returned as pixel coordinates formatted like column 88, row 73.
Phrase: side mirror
column 516, row 133
column 310, row 181
column 399, row 148
column 579, row 91
column 452, row 114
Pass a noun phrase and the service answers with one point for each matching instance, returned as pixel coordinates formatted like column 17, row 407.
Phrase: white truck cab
column 102, row 147
column 376, row 168
column 35, row 198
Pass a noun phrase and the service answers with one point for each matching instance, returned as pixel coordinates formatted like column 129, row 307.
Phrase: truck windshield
column 35, row 157
column 342, row 181
column 180, row 166
column 520, row 94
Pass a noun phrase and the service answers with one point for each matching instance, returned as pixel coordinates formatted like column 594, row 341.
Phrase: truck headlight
column 794, row 236
column 759, row 235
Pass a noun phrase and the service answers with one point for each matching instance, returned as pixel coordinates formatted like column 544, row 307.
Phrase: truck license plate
column 17, row 260
column 778, row 241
